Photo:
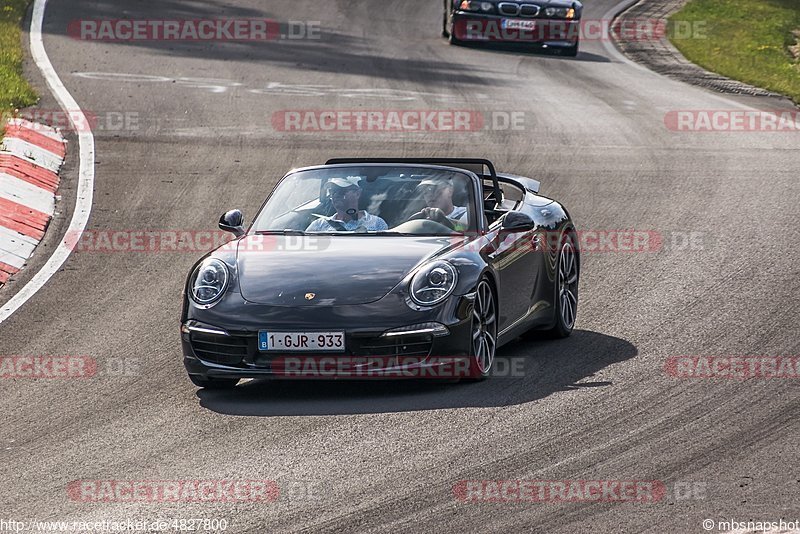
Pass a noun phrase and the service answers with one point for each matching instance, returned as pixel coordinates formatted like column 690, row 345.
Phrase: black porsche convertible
column 383, row 268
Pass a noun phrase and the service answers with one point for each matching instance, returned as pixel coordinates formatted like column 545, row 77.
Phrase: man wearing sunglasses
column 344, row 194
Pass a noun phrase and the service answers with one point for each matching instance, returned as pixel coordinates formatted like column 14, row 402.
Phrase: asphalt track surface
column 385, row 456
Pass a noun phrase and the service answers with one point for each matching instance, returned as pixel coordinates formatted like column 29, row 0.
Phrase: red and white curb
column 30, row 157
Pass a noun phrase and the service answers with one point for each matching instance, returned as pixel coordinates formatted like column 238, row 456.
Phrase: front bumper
column 220, row 348
column 476, row 27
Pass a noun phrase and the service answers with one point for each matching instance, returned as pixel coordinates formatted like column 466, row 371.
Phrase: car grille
column 418, row 346
column 508, row 8
column 513, row 9
column 229, row 350
column 243, row 351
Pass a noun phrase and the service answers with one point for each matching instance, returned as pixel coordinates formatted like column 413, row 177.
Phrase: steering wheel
column 433, row 214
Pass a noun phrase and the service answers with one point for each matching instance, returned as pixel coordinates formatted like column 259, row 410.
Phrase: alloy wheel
column 568, row 284
column 484, row 328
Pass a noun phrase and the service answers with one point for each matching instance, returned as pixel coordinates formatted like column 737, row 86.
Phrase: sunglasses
column 429, row 189
column 341, row 193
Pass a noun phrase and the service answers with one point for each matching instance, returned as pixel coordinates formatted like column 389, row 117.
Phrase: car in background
column 554, row 24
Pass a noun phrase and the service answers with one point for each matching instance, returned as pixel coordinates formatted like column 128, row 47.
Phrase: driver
column 438, row 194
column 344, row 194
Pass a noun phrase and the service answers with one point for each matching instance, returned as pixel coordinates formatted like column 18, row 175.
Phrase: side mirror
column 516, row 221
column 233, row 222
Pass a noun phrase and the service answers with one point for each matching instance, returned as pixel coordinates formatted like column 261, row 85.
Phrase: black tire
column 452, row 38
column 566, row 296
column 483, row 332
column 449, row 27
column 571, row 51
column 445, row 31
column 213, row 383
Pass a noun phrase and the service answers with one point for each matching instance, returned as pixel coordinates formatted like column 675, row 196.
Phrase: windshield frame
column 476, row 198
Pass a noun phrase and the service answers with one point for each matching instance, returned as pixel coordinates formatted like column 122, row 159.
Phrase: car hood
column 328, row 270
column 555, row 3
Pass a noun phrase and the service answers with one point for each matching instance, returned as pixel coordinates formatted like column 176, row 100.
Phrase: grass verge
column 754, row 41
column 15, row 92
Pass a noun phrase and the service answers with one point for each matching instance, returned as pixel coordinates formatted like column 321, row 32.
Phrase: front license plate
column 300, row 341
column 513, row 24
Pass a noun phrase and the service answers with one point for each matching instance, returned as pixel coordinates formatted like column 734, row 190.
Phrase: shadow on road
column 534, row 51
column 549, row 367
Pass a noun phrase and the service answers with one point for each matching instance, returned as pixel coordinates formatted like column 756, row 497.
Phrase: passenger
column 438, row 194
column 344, row 194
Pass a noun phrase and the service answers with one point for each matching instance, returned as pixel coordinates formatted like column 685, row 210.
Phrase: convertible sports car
column 549, row 24
column 381, row 268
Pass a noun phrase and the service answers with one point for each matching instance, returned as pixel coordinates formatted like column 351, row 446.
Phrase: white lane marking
column 29, row 195
column 33, row 153
column 121, row 77
column 608, row 41
column 47, row 131
column 15, row 248
column 219, row 85
column 83, row 202
column 611, row 48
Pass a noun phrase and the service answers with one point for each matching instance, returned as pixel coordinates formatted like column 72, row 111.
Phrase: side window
column 489, row 202
column 512, row 196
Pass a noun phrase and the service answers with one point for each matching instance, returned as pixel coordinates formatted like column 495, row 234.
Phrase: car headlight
column 473, row 5
column 209, row 282
column 433, row 283
column 560, row 12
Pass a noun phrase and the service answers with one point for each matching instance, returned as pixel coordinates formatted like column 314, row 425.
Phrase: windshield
column 371, row 200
